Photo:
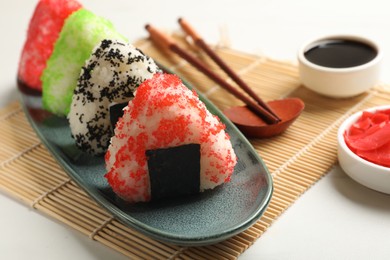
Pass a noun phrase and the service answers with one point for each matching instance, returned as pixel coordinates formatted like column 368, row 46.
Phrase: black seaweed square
column 116, row 112
column 174, row 171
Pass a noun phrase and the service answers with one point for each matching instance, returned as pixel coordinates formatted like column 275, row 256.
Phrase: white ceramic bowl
column 339, row 82
column 369, row 174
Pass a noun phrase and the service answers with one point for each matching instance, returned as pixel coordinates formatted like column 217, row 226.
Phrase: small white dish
column 369, row 174
column 340, row 80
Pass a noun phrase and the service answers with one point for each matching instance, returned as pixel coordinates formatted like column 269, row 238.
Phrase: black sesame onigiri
column 111, row 75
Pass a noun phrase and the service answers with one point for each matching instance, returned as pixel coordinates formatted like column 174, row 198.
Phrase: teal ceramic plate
column 208, row 218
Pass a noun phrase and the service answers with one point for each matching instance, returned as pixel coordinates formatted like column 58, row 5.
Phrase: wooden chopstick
column 170, row 44
column 203, row 45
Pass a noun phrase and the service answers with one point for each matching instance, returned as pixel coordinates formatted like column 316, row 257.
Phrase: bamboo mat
column 296, row 159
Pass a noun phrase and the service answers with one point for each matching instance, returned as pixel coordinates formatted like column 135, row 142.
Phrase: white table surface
column 335, row 219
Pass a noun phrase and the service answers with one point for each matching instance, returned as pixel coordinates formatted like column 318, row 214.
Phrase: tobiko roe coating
column 81, row 32
column 165, row 113
column 111, row 75
column 44, row 28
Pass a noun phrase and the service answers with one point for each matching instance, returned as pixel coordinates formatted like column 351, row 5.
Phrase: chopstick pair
column 258, row 106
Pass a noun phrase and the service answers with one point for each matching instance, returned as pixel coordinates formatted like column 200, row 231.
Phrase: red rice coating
column 165, row 113
column 45, row 26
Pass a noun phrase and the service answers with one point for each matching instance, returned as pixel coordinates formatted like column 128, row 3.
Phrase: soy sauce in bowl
column 340, row 53
column 339, row 66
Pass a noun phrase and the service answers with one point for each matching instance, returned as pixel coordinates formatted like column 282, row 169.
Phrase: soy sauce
column 341, row 53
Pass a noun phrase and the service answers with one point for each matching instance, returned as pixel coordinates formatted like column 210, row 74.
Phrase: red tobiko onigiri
column 44, row 28
column 167, row 132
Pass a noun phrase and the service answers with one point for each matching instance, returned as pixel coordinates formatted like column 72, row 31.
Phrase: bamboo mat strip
column 297, row 159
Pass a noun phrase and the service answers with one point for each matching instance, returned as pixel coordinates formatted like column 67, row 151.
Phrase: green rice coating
column 81, row 32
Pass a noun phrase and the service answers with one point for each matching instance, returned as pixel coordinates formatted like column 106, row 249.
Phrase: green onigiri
column 81, row 32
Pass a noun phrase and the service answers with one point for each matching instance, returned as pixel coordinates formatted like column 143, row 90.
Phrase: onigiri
column 110, row 76
column 165, row 117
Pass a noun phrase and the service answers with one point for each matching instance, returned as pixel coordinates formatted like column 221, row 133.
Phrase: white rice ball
column 111, row 75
